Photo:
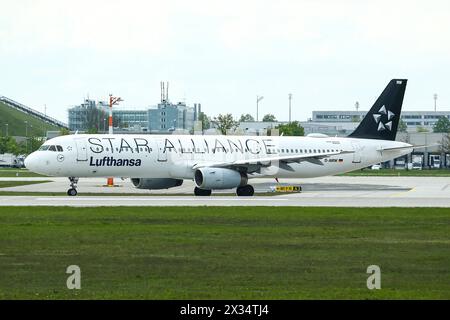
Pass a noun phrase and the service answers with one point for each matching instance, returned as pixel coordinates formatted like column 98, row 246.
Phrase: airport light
column 26, row 135
column 258, row 99
column 290, row 99
column 435, row 96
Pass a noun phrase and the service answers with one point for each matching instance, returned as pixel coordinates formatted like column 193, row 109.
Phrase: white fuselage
column 174, row 156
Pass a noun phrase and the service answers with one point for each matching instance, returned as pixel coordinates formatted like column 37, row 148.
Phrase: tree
column 205, row 121
column 445, row 143
column 246, row 118
column 402, row 127
column 291, row 129
column 94, row 117
column 442, row 125
column 269, row 118
column 421, row 129
column 9, row 145
column 64, row 132
column 35, row 143
column 225, row 122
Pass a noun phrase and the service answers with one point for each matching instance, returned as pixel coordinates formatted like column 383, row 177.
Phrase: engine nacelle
column 156, row 183
column 219, row 178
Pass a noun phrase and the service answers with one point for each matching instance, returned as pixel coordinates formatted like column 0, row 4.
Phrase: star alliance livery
column 224, row 162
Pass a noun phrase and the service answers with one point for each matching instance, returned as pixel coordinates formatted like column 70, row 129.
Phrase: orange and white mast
column 112, row 101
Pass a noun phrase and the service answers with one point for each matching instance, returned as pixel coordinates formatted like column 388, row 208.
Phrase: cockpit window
column 51, row 148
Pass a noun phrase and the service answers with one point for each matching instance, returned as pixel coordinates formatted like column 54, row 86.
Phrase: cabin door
column 162, row 153
column 357, row 152
column 81, row 149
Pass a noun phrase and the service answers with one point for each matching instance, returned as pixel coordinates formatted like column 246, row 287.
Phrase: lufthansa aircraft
column 225, row 162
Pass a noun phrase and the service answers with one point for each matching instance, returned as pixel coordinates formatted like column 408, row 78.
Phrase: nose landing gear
column 73, row 187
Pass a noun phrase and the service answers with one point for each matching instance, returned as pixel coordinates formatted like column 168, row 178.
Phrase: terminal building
column 419, row 131
column 164, row 118
column 344, row 121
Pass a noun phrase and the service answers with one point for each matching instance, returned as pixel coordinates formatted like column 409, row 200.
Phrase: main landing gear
column 202, row 192
column 245, row 191
column 242, row 191
column 73, row 187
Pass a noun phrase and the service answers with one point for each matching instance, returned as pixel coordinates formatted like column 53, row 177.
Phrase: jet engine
column 219, row 178
column 156, row 183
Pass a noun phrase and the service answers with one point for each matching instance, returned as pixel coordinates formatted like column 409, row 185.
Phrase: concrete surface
column 325, row 191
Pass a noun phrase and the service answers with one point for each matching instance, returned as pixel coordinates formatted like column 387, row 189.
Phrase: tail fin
column 381, row 121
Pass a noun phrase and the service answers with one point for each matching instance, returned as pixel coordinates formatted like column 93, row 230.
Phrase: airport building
column 168, row 117
column 343, row 121
column 163, row 118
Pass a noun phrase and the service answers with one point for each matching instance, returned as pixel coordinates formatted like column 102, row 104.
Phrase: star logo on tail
column 388, row 115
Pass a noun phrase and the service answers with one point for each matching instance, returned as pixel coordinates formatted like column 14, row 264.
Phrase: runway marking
column 158, row 199
column 399, row 194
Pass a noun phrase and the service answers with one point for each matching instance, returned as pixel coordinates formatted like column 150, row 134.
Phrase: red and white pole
column 110, row 114
column 112, row 101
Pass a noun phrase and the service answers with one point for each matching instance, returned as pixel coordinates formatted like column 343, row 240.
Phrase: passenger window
column 52, row 148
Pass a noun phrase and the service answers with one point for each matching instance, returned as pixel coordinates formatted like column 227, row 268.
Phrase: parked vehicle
column 417, row 161
column 376, row 166
column 9, row 160
column 435, row 161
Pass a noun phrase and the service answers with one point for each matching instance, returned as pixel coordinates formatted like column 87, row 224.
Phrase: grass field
column 224, row 253
column 16, row 126
column 7, row 184
column 400, row 173
column 12, row 172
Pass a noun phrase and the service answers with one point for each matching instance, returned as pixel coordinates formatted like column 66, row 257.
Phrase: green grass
column 7, row 184
column 20, row 173
column 224, row 253
column 405, row 173
column 16, row 123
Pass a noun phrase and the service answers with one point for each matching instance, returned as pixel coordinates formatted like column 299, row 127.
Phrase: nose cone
column 31, row 162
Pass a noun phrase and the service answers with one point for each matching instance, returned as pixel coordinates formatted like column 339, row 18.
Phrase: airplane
column 225, row 162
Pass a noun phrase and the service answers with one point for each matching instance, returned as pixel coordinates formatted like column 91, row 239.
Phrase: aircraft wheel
column 245, row 191
column 72, row 192
column 202, row 192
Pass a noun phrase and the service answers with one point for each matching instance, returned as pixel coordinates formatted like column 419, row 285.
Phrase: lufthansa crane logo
column 377, row 117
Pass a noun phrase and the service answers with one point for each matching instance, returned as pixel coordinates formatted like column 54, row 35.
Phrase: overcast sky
column 328, row 54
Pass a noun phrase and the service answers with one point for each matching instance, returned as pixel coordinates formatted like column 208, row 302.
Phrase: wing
column 257, row 163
